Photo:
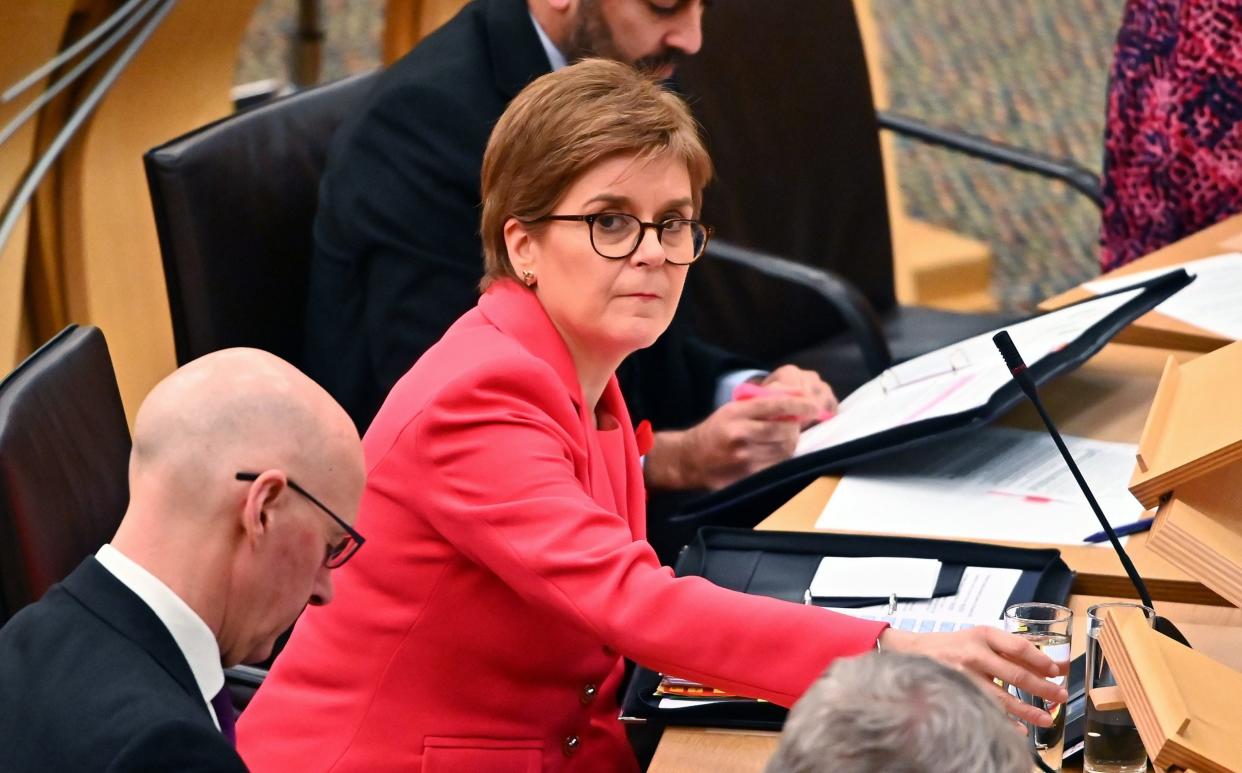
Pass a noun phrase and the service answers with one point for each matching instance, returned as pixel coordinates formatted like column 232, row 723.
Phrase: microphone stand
column 1013, row 360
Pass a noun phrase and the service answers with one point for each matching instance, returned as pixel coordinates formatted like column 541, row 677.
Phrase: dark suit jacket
column 398, row 255
column 91, row 680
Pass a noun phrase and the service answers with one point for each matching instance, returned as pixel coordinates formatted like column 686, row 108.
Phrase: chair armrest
column 1077, row 177
column 248, row 676
column 844, row 298
column 242, row 682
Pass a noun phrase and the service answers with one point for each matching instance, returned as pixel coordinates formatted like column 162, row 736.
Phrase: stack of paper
column 1210, row 302
column 997, row 484
column 677, row 693
column 981, row 599
column 871, row 577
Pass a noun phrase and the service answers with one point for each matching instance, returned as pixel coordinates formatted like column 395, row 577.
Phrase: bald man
column 244, row 483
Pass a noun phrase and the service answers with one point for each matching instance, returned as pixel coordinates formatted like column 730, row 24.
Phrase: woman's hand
column 987, row 654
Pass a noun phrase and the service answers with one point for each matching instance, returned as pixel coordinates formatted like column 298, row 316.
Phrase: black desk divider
column 781, row 564
column 749, row 500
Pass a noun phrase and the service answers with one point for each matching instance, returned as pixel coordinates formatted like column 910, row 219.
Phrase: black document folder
column 749, row 500
column 781, row 565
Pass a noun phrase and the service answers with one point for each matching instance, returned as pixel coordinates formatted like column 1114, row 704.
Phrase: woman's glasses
column 616, row 235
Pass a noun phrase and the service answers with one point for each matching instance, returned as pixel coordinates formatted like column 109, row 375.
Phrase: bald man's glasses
column 338, row 553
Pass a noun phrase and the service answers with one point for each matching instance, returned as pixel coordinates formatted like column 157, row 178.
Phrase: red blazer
column 505, row 574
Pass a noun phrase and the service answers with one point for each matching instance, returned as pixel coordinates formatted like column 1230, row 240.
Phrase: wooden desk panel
column 29, row 35
column 1155, row 329
column 178, row 81
column 710, row 750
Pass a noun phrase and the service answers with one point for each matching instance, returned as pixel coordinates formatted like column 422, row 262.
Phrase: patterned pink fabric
column 1173, row 142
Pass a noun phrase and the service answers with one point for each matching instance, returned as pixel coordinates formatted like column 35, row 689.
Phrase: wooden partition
column 408, row 21
column 110, row 255
column 30, row 34
column 932, row 265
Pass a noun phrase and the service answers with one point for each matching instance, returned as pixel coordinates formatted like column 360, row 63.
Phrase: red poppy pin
column 644, row 436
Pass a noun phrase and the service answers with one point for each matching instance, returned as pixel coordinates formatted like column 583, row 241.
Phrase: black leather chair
column 234, row 202
column 64, row 460
column 64, row 471
column 234, row 206
column 782, row 91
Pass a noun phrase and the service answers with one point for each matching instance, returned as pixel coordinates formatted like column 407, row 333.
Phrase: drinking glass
column 1047, row 626
column 1112, row 743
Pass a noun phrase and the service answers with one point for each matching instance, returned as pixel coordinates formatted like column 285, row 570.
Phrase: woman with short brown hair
column 506, row 573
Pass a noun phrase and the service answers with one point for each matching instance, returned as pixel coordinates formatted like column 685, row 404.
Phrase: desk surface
column 1106, row 399
column 1154, row 328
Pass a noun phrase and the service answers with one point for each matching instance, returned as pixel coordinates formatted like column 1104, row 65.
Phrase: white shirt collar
column 193, row 637
column 555, row 57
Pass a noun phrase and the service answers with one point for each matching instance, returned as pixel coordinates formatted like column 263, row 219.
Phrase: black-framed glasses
column 343, row 550
column 616, row 235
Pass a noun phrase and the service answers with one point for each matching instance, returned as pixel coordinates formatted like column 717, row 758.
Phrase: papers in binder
column 997, row 484
column 1210, row 302
column 677, row 693
column 981, row 598
column 955, row 379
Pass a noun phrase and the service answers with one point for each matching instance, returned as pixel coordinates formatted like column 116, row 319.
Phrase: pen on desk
column 746, row 391
column 1129, row 528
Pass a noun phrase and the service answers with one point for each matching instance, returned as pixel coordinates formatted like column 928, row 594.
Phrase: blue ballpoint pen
column 1129, row 528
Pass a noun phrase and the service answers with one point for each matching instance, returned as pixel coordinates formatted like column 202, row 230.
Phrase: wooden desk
column 1106, row 399
column 1154, row 328
column 1215, row 631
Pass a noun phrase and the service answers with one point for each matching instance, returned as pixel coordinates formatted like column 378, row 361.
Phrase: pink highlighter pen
column 748, row 390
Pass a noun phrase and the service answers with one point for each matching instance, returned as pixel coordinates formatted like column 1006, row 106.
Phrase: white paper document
column 980, row 600
column 951, row 380
column 872, row 576
column 689, row 703
column 995, row 484
column 1210, row 302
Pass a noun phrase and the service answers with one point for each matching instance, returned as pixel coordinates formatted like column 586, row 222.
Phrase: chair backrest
column 234, row 205
column 782, row 91
column 64, row 458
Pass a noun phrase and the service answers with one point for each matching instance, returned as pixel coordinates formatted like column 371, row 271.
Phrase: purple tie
column 223, row 704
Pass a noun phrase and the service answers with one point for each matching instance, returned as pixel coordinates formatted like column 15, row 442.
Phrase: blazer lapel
column 102, row 593
column 635, row 491
column 517, row 313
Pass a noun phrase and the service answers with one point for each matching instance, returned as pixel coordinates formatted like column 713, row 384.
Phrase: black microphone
column 1013, row 360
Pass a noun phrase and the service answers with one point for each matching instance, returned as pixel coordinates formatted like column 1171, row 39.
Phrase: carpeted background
column 1031, row 73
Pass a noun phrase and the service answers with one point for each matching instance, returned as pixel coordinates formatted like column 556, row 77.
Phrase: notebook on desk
column 783, row 564
column 952, row 390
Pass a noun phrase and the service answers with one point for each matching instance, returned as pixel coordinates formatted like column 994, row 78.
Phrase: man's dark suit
column 91, row 680
column 397, row 250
